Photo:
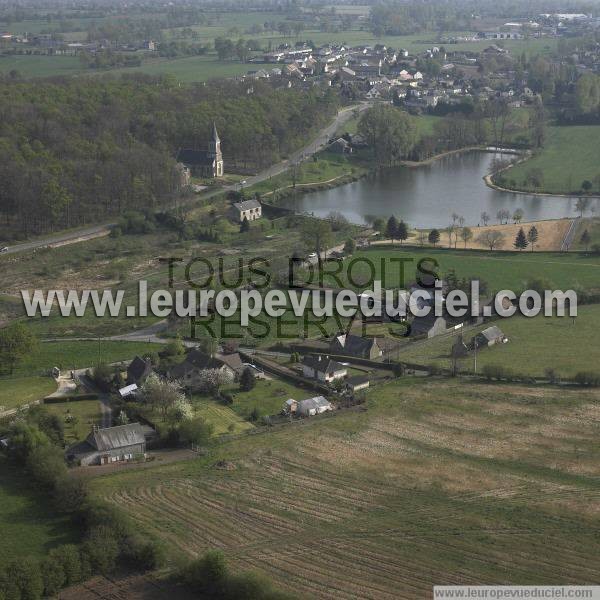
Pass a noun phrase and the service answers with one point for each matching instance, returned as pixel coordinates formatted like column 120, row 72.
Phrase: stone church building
column 204, row 163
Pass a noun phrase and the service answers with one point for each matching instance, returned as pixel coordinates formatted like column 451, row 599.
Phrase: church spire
column 215, row 135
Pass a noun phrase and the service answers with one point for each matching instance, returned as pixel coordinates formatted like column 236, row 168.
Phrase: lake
column 427, row 196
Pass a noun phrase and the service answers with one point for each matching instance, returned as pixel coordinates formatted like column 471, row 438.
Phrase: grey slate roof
column 189, row 156
column 492, row 333
column 357, row 380
column 316, row 402
column 138, row 370
column 112, row 438
column 246, row 205
column 355, row 345
column 325, row 365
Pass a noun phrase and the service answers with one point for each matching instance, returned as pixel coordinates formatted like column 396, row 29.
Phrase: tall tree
column 434, row 237
column 521, row 240
column 586, row 239
column 391, row 229
column 16, row 341
column 402, row 231
column 466, row 234
column 532, row 236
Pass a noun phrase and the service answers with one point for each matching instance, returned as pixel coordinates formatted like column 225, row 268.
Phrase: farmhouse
column 188, row 372
column 313, row 406
column 355, row 345
column 247, row 209
column 489, row 337
column 323, row 369
column 204, row 163
column 112, row 444
column 429, row 326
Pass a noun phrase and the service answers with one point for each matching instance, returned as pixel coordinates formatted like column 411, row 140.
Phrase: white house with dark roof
column 323, row 369
column 247, row 209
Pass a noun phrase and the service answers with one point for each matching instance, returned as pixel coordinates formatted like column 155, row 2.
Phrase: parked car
column 4, row 249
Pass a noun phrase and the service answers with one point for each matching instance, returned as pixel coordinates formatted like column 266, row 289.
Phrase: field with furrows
column 436, row 482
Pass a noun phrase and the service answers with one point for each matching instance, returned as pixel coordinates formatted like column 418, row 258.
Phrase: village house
column 428, row 326
column 313, row 406
column 323, row 369
column 204, row 163
column 189, row 371
column 109, row 445
column 138, row 371
column 355, row 345
column 247, row 209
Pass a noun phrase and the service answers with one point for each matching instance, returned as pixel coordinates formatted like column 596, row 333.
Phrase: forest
column 80, row 150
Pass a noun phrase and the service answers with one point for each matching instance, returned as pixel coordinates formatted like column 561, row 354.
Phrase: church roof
column 189, row 156
column 215, row 135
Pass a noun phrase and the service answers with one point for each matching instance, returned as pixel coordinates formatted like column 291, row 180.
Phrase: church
column 204, row 163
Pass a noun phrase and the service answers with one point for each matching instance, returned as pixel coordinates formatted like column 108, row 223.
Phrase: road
column 566, row 244
column 317, row 144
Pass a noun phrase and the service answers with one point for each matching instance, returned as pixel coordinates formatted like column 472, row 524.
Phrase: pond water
column 427, row 196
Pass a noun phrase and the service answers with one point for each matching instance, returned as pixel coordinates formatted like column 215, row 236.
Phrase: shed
column 313, row 406
column 357, row 383
column 488, row 337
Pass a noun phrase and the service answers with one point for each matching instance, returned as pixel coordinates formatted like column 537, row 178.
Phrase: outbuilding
column 313, row 406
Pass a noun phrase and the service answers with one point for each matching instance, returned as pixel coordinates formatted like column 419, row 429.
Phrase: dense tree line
column 80, row 150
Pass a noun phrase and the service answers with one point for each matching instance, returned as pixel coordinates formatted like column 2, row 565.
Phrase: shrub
column 47, row 465
column 497, row 372
column 69, row 559
column 141, row 553
column 21, row 579
column 53, row 575
column 588, row 378
column 102, row 549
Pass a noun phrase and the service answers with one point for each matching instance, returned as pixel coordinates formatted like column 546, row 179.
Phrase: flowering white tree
column 210, row 380
column 180, row 411
column 161, row 394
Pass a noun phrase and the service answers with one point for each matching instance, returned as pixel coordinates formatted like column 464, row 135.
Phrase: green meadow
column 569, row 156
column 28, row 528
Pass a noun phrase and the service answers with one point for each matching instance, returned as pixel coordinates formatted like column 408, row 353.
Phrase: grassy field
column 79, row 355
column 267, row 397
column 566, row 160
column 28, row 527
column 78, row 417
column 593, row 228
column 500, row 270
column 23, row 390
column 437, row 482
column 535, row 344
column 222, row 418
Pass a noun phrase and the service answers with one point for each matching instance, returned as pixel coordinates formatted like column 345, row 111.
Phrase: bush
column 53, row 575
column 102, row 549
column 69, row 559
column 588, row 378
column 141, row 553
column 47, row 465
column 497, row 372
column 21, row 579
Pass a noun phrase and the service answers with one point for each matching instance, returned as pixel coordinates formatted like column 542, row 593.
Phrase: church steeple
column 215, row 135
